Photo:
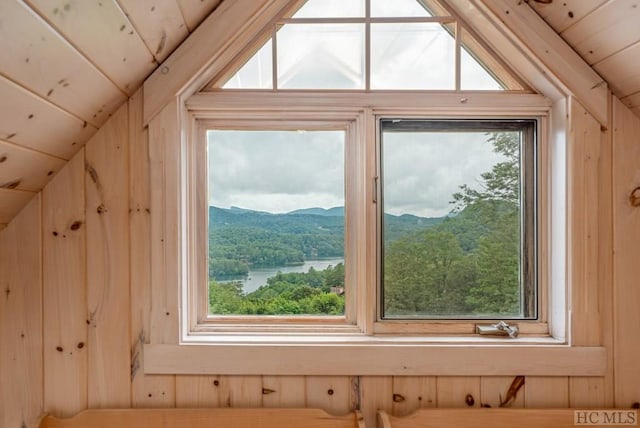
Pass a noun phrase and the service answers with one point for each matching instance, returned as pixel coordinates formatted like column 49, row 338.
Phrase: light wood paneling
column 283, row 391
column 632, row 101
column 241, row 391
column 605, row 31
column 583, row 164
column 376, row 393
column 32, row 122
column 502, row 391
column 335, row 394
column 200, row 391
column 194, row 11
column 622, row 70
column 412, row 393
column 588, row 393
column 626, row 220
column 25, row 169
column 102, row 32
column 107, row 217
column 165, row 202
column 548, row 47
column 217, row 41
column 65, row 292
column 146, row 391
column 546, row 392
column 462, row 391
column 38, row 58
column 21, row 364
column 563, row 14
column 11, row 202
column 159, row 23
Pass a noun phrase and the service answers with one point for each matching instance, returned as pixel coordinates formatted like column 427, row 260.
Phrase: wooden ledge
column 508, row 418
column 205, row 418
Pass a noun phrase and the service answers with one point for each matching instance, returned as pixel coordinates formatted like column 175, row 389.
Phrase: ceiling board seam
column 49, row 103
column 48, row 23
column 30, row 150
column 619, row 51
column 186, row 24
column 17, row 191
column 144, row 42
column 583, row 17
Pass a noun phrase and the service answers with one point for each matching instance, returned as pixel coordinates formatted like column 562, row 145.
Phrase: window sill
column 383, row 356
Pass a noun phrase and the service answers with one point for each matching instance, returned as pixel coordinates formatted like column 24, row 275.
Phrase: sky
column 281, row 171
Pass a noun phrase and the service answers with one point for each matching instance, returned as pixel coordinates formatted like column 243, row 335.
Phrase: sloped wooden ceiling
column 606, row 34
column 66, row 65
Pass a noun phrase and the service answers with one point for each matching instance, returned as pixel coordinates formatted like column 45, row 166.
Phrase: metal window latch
column 499, row 329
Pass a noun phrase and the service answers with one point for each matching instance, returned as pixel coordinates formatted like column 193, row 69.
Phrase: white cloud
column 280, row 171
column 276, row 171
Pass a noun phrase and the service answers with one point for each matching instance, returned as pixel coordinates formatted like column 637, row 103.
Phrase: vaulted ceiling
column 66, row 65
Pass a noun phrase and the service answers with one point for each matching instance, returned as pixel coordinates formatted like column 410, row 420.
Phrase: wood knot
column 634, row 197
column 3, row 158
column 59, row 348
column 635, row 405
column 75, row 225
column 11, row 184
column 216, row 382
column 80, row 345
column 469, row 400
column 101, row 209
column 266, row 391
column 330, row 391
column 398, row 398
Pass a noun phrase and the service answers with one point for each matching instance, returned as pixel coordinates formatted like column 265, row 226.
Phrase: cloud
column 421, row 170
column 276, row 171
column 280, row 171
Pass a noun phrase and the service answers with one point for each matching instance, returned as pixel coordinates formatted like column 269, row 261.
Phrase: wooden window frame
column 177, row 347
column 359, row 116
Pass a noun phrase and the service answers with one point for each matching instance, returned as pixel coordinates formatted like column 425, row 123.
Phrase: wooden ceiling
column 67, row 65
column 606, row 34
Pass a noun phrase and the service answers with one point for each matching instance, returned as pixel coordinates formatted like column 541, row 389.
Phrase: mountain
column 331, row 212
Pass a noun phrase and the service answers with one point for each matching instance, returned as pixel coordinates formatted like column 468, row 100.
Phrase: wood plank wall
column 76, row 276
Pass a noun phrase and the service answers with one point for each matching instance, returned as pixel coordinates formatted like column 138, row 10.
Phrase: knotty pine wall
column 75, row 281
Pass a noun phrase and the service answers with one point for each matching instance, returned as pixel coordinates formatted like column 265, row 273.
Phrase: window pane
column 256, row 73
column 452, row 235
column 276, row 222
column 321, row 56
column 474, row 76
column 331, row 9
column 397, row 9
column 412, row 56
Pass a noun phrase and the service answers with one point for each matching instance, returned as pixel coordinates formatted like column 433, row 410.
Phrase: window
column 370, row 45
column 458, row 225
column 374, row 335
column 295, row 235
column 276, row 222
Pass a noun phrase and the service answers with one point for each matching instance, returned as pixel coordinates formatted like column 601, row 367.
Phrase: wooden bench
column 205, row 418
column 499, row 418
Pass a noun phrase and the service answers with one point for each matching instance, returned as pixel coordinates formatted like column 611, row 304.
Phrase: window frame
column 198, row 294
column 529, row 163
column 173, row 349
column 363, row 112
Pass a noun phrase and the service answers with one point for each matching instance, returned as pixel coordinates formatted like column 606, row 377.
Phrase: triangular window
column 370, row 45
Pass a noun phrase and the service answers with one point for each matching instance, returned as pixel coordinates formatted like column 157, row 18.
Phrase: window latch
column 501, row 328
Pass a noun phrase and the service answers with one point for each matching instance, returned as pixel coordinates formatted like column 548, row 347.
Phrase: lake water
column 258, row 277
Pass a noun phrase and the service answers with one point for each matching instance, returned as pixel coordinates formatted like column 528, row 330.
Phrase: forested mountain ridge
column 241, row 238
